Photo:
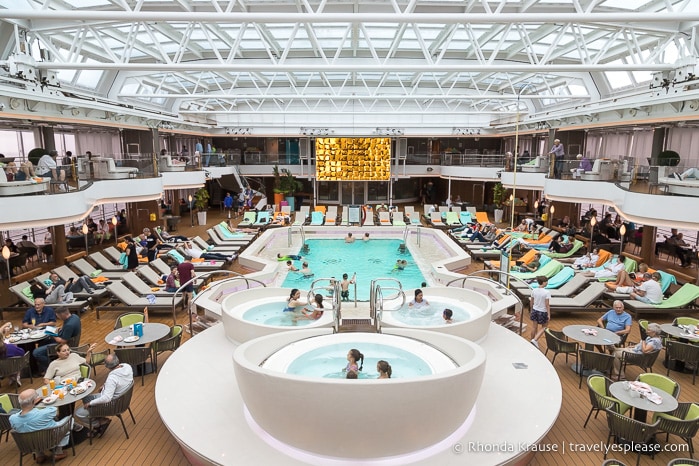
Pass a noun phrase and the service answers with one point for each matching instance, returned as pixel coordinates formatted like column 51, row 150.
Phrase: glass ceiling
column 413, row 61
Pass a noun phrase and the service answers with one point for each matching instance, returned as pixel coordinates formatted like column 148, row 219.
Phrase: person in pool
column 349, row 238
column 384, row 369
column 289, row 257
column 305, row 270
column 446, row 315
column 352, row 375
column 400, row 265
column 314, row 314
column 292, row 268
column 419, row 300
column 294, row 301
column 352, row 357
column 366, row 237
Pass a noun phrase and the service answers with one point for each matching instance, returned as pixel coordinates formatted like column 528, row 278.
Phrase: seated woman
column 610, row 270
column 316, row 312
column 67, row 365
column 625, row 281
column 8, row 350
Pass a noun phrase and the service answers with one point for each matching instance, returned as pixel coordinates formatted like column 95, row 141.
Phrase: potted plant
column 285, row 185
column 499, row 193
column 201, row 202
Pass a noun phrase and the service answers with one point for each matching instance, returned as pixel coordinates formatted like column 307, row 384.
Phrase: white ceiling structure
column 413, row 67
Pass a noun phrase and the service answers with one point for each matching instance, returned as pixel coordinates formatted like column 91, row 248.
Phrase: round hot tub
column 353, row 418
column 257, row 312
column 471, row 319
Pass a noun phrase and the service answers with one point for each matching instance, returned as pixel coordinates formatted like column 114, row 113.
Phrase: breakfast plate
column 50, row 399
column 78, row 390
column 131, row 339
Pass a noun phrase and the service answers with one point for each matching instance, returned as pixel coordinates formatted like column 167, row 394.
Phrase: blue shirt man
column 618, row 320
column 31, row 419
column 39, row 316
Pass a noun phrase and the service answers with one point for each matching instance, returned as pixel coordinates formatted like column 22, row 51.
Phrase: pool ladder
column 290, row 232
column 323, row 286
column 406, row 232
column 376, row 298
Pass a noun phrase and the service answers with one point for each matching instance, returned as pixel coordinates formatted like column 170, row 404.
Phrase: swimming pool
column 325, row 357
column 369, row 259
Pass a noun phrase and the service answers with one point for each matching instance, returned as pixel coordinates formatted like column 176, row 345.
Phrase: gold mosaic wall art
column 353, row 159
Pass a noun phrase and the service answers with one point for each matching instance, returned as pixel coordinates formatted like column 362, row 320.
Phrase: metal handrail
column 334, row 287
column 290, row 232
column 376, row 298
column 497, row 284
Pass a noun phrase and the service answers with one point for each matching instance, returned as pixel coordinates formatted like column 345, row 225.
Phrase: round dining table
column 678, row 332
column 641, row 406
column 603, row 337
column 152, row 331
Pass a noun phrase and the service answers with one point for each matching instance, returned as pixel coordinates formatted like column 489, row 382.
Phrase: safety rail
column 200, row 276
column 406, row 232
column 333, row 286
column 301, row 231
column 376, row 299
column 498, row 284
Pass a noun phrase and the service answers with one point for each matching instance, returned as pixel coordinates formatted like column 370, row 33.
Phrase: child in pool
column 292, row 268
column 352, row 357
column 446, row 315
column 314, row 314
column 352, row 375
column 384, row 369
column 344, row 286
column 288, row 257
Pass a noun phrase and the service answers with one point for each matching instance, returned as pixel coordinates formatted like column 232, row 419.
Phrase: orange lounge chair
column 482, row 217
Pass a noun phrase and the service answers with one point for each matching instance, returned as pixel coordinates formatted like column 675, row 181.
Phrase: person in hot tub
column 446, row 315
column 294, row 301
column 316, row 312
column 419, row 302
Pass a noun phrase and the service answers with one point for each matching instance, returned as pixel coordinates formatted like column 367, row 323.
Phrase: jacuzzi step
column 357, row 325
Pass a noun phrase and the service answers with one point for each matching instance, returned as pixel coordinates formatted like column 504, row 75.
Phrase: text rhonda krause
column 572, row 447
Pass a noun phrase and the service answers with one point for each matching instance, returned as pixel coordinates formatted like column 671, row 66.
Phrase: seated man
column 690, row 172
column 649, row 291
column 650, row 344
column 118, row 381
column 71, row 329
column 625, row 281
column 39, row 316
column 683, row 250
column 617, row 320
column 31, row 419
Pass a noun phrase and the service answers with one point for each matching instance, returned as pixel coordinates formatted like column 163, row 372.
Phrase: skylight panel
column 618, row 79
column 642, row 76
column 576, row 89
column 66, row 76
column 89, row 78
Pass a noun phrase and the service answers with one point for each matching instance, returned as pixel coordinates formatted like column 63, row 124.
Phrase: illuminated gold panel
column 353, row 159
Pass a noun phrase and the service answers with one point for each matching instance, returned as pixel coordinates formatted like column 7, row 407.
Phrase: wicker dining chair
column 8, row 401
column 97, row 359
column 168, row 343
column 678, row 351
column 14, row 365
column 624, row 428
column 682, row 422
column 116, row 407
column 643, row 360
column 593, row 360
column 555, row 341
column 42, row 440
column 598, row 386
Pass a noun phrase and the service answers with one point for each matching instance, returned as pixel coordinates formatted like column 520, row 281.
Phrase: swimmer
column 384, row 369
column 352, row 357
column 288, row 257
column 292, row 268
column 352, row 375
column 294, row 301
column 366, row 237
column 349, row 238
column 305, row 270
column 344, row 285
column 446, row 315
column 419, row 300
column 314, row 314
column 400, row 265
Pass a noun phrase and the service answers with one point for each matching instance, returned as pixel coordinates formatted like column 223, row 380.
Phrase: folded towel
column 589, row 331
column 151, row 299
column 196, row 260
column 654, row 398
column 116, row 340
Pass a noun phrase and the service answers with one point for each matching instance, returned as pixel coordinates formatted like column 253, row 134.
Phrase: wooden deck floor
column 151, row 443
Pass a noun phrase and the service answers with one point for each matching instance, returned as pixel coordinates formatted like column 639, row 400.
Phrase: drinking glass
column 33, row 322
column 61, row 394
column 52, row 384
column 45, row 390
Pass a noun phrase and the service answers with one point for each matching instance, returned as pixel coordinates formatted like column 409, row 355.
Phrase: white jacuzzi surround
column 239, row 330
column 477, row 305
column 364, row 418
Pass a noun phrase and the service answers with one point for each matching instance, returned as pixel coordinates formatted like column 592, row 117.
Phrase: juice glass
column 52, row 384
column 44, row 390
column 61, row 394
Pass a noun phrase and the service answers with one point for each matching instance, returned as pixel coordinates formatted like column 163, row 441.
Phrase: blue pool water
column 271, row 314
column 370, row 259
column 430, row 315
column 330, row 360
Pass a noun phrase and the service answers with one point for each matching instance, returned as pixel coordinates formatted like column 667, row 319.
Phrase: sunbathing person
column 625, row 280
column 649, row 291
column 587, row 261
column 532, row 266
column 610, row 270
column 690, row 172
